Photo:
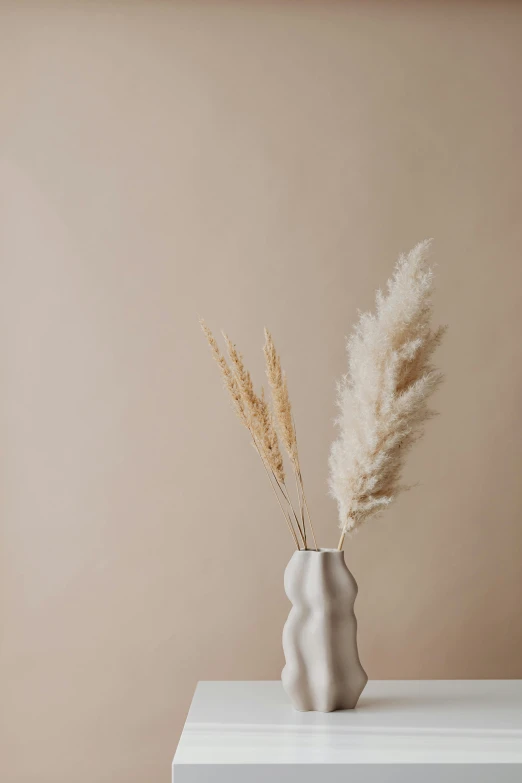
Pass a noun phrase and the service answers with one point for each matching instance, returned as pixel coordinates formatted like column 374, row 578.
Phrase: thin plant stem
column 300, row 501
column 308, row 512
column 341, row 542
column 288, row 519
column 298, row 472
column 301, row 531
column 284, row 492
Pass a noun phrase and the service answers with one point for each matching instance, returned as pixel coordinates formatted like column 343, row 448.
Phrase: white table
column 403, row 731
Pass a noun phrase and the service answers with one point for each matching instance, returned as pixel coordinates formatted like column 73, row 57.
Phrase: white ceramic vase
column 323, row 671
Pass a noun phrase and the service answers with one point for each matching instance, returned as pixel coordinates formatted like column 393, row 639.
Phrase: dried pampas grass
column 229, row 381
column 256, row 415
column 383, row 403
column 280, row 398
column 383, row 399
column 285, row 423
column 259, row 415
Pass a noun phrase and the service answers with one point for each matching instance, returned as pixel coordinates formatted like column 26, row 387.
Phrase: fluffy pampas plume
column 383, row 399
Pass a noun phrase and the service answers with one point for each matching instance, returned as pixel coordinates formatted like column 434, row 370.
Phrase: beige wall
column 254, row 163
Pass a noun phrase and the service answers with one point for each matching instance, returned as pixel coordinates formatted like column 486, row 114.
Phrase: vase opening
column 320, row 551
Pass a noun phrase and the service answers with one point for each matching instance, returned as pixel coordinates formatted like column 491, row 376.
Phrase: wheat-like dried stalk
column 383, row 398
column 280, row 399
column 258, row 413
column 285, row 422
column 229, row 381
column 270, row 441
column 262, row 427
column 255, row 414
column 243, row 379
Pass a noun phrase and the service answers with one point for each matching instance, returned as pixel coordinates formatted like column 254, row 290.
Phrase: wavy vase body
column 323, row 671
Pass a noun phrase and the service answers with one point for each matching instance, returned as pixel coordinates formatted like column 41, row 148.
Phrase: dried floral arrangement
column 382, row 401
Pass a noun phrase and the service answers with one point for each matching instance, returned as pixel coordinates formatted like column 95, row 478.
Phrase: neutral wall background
column 253, row 163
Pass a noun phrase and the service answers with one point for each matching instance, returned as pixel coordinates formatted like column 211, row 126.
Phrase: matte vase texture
column 323, row 671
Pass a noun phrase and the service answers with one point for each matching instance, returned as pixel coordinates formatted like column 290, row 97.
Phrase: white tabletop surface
column 398, row 725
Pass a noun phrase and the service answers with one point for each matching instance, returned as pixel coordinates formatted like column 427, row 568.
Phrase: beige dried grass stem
column 287, row 518
column 285, row 422
column 270, row 439
column 229, row 381
column 261, row 423
column 254, row 414
column 305, row 503
column 258, row 413
column 280, row 398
